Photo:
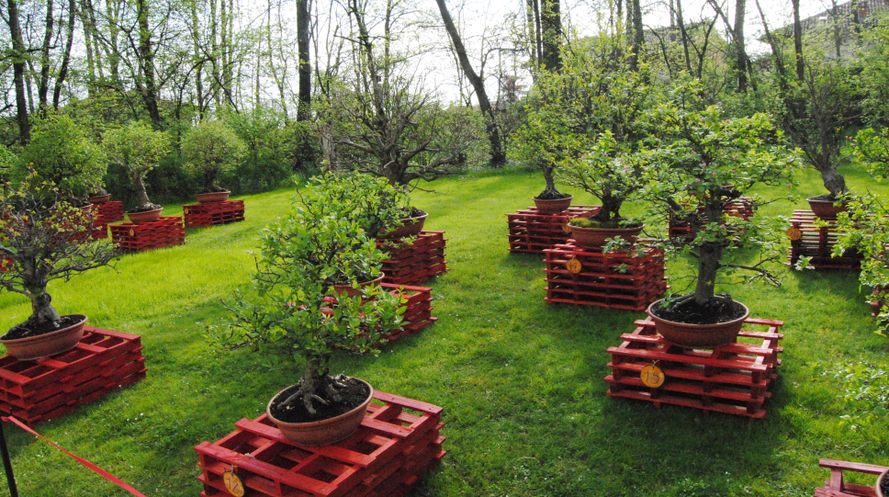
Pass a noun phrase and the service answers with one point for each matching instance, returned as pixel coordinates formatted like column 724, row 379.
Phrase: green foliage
column 61, row 153
column 874, row 77
column 872, row 149
column 137, row 148
column 865, row 389
column 211, row 148
column 8, row 161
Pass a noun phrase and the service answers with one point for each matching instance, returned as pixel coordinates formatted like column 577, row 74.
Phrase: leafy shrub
column 210, row 149
column 137, row 149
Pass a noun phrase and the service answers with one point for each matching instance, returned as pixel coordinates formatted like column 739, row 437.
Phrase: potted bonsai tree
column 43, row 235
column 612, row 173
column 882, row 486
column 210, row 149
column 697, row 153
column 296, row 308
column 137, row 148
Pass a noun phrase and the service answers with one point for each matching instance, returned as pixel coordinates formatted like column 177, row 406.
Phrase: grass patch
column 521, row 382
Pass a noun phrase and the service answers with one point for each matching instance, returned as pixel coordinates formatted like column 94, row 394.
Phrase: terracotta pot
column 552, row 206
column 100, row 199
column 145, row 216
column 883, row 476
column 47, row 344
column 597, row 237
column 410, row 226
column 351, row 292
column 825, row 209
column 325, row 431
column 211, row 197
column 697, row 335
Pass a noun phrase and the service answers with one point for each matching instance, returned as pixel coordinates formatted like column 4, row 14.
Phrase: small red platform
column 532, row 232
column 398, row 441
column 110, row 211
column 134, row 237
column 415, row 263
column 836, row 486
column 47, row 388
column 419, row 308
column 213, row 213
column 731, row 379
column 616, row 280
column 817, row 242
column 681, row 231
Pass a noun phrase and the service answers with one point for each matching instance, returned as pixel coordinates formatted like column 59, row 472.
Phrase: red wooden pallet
column 166, row 232
column 817, row 242
column 681, row 231
column 532, row 232
column 49, row 387
column 836, row 486
column 415, row 263
column 419, row 308
column 110, row 211
column 399, row 440
column 616, row 280
column 213, row 213
column 731, row 379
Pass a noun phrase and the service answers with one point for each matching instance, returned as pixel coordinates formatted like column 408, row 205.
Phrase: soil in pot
column 353, row 395
column 24, row 330
column 716, row 311
column 883, row 483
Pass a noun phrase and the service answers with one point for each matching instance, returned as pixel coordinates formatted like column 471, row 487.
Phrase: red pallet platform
column 47, row 388
column 110, row 211
column 616, row 280
column 134, row 237
column 836, row 486
column 417, row 262
column 817, row 242
column 532, row 232
column 398, row 441
column 731, row 379
column 213, row 213
column 681, row 231
column 419, row 308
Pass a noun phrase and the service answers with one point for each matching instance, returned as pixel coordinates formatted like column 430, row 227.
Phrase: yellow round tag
column 574, row 266
column 132, row 232
column 233, row 484
column 566, row 228
column 652, row 376
column 794, row 234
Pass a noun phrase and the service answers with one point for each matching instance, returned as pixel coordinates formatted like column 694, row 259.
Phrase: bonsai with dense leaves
column 210, row 149
column 137, row 148
column 295, row 305
column 62, row 154
column 45, row 238
column 702, row 160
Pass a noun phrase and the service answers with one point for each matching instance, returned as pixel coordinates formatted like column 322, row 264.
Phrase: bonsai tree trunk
column 550, row 191
column 610, row 207
column 142, row 201
column 42, row 311
column 832, row 179
column 708, row 266
column 210, row 180
column 315, row 383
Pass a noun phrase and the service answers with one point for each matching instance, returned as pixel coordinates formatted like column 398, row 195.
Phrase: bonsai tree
column 699, row 161
column 45, row 238
column 137, row 148
column 63, row 155
column 295, row 307
column 210, row 149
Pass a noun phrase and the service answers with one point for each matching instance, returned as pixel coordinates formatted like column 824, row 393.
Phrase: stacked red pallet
column 213, row 213
column 47, row 388
column 410, row 264
column 731, row 379
column 815, row 238
column 839, row 486
column 628, row 280
column 681, row 230
column 165, row 232
column 530, row 231
column 398, row 441
column 110, row 211
column 419, row 308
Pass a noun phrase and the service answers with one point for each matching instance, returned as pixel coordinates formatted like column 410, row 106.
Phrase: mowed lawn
column 521, row 382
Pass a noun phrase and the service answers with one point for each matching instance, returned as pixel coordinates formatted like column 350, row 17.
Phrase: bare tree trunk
column 42, row 311
column 18, row 69
column 146, row 63
column 43, row 82
column 683, row 34
column 142, row 200
column 531, row 26
column 66, row 56
column 638, row 34
column 498, row 157
column 740, row 48
column 708, row 267
column 551, row 25
column 798, row 41
column 198, row 60
column 303, row 27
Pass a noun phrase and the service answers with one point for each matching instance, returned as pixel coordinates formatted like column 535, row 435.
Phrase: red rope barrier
column 92, row 467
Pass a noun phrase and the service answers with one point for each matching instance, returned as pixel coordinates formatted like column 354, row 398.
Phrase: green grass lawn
column 521, row 382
